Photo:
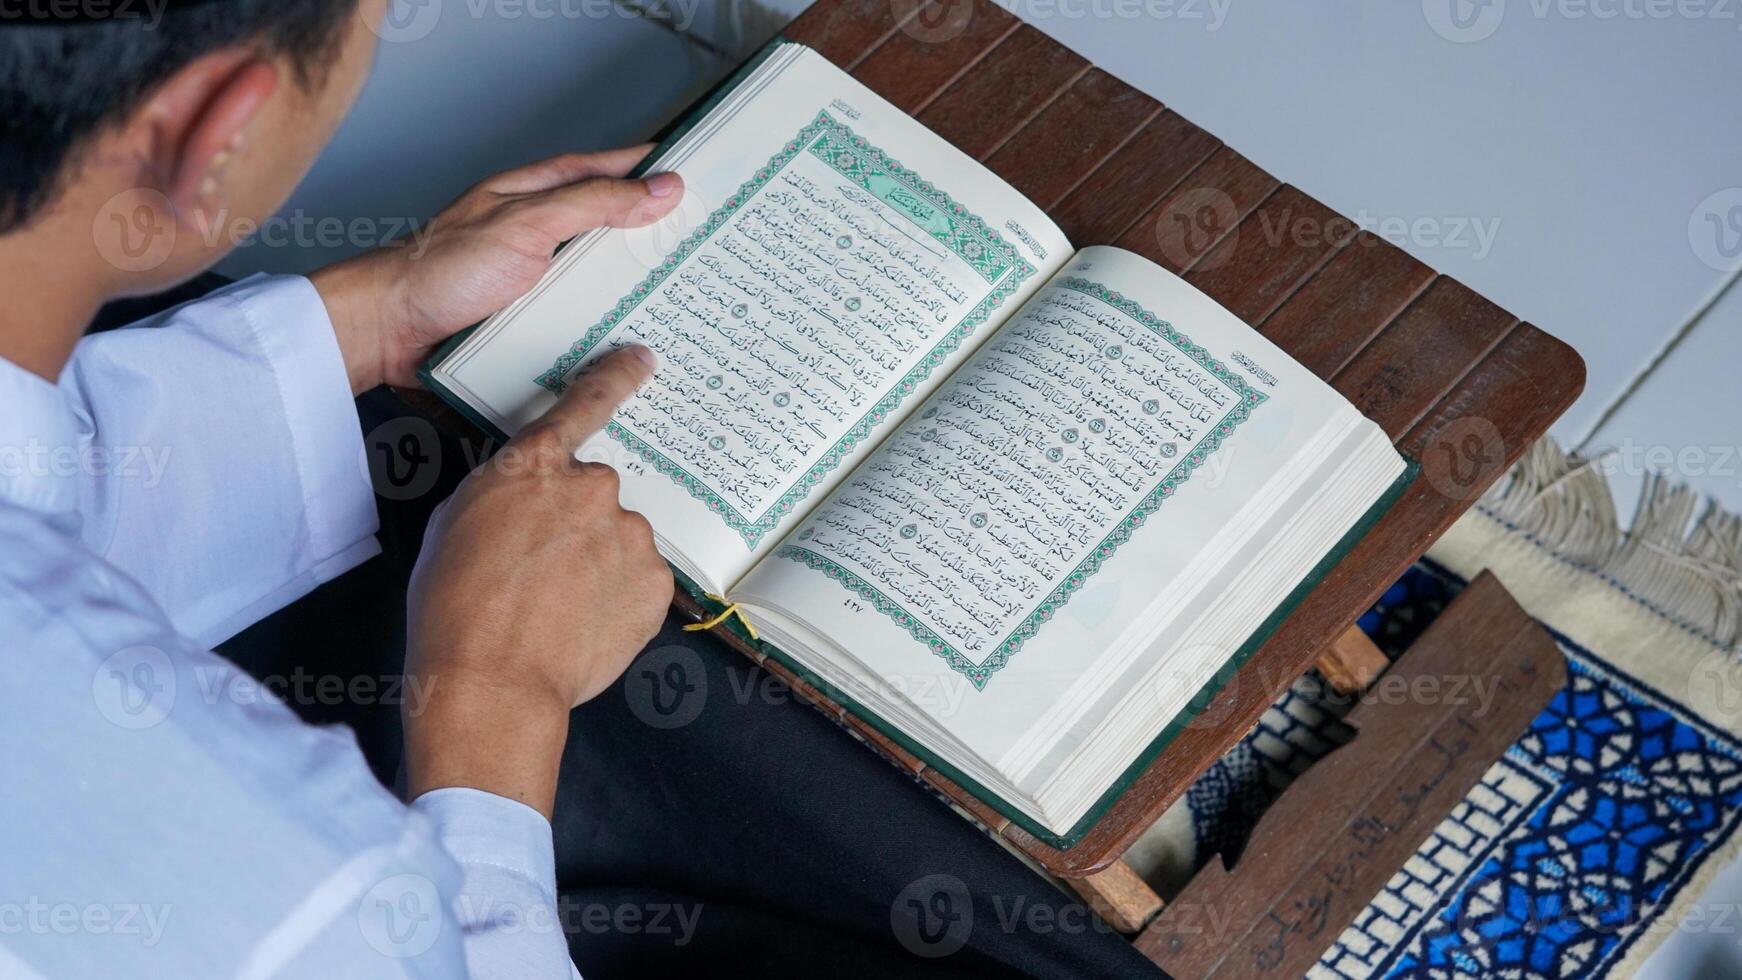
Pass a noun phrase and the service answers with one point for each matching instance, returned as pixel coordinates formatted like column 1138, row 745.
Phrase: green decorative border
column 852, row 156
column 980, row 673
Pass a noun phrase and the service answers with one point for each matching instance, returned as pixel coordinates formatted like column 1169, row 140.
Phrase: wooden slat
column 1421, row 355
column 1466, row 441
column 1133, row 179
column 1015, row 81
column 1071, row 136
column 1279, row 246
column 1345, row 305
column 1204, row 207
column 918, row 61
column 1352, row 662
column 843, row 31
column 1340, row 832
column 1119, row 896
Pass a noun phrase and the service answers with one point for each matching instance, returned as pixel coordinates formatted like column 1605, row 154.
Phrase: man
column 129, row 154
column 165, row 486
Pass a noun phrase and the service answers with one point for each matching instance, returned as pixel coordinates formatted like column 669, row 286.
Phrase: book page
column 1103, row 450
column 832, row 260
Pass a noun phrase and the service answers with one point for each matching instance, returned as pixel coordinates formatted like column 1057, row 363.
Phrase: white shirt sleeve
column 508, row 890
column 224, row 429
column 208, row 829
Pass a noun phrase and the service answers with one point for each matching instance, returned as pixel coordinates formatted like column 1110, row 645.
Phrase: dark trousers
column 707, row 823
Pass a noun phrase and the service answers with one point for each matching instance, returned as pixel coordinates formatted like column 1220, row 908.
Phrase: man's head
column 146, row 142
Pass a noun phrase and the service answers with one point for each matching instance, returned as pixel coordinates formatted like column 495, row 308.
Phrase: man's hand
column 533, row 593
column 391, row 307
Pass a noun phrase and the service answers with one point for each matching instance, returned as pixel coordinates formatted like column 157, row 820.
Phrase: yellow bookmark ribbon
column 725, row 614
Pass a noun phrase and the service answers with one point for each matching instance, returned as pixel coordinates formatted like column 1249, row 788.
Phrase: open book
column 1018, row 505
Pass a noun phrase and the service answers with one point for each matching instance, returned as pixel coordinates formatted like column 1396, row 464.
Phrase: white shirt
column 159, row 814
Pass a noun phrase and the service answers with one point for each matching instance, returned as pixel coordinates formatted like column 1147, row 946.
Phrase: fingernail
column 663, row 185
column 646, row 356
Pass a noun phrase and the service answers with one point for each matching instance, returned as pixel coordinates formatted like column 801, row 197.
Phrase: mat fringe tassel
column 1693, row 577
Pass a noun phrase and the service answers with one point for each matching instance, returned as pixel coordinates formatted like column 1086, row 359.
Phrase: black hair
column 62, row 82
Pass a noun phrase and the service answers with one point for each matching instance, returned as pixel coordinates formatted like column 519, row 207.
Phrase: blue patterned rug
column 1560, row 861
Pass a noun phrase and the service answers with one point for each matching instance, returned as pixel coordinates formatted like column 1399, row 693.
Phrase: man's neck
column 50, row 300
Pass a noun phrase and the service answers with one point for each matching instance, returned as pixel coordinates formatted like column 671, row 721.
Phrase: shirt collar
column 40, row 443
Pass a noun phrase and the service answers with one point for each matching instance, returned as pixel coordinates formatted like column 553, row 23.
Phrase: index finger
column 568, row 168
column 591, row 398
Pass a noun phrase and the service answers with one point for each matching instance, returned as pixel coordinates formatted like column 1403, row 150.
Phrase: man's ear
column 199, row 121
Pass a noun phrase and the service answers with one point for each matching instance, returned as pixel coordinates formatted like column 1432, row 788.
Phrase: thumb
column 591, row 398
column 609, row 202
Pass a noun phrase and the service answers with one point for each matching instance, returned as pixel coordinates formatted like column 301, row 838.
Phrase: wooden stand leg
column 1119, row 896
column 1352, row 662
